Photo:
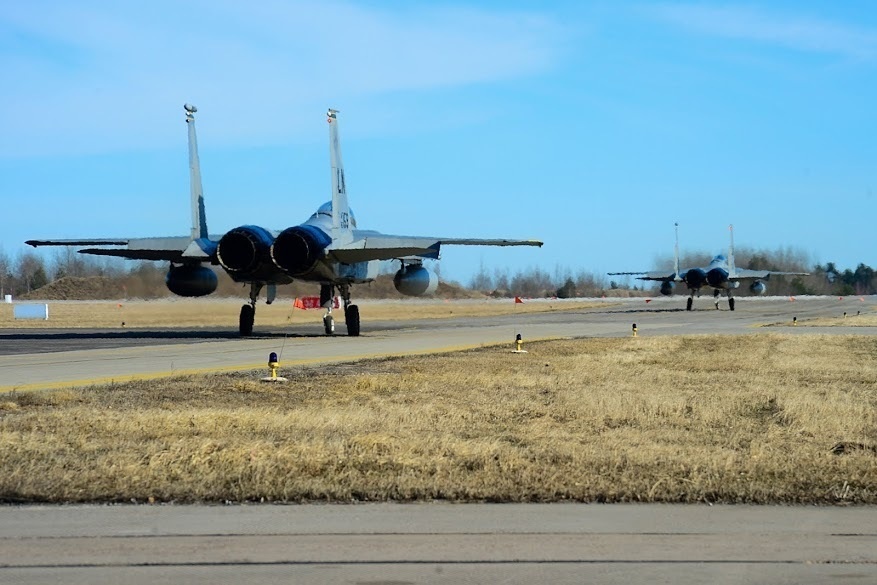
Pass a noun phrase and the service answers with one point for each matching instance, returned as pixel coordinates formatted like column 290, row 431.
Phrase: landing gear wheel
column 248, row 315
column 329, row 324
column 351, row 316
column 731, row 303
column 689, row 303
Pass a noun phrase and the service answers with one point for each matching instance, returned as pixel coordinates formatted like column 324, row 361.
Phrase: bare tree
column 481, row 281
column 31, row 271
column 4, row 273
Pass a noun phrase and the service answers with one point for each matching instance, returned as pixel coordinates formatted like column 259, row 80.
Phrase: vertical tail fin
column 340, row 207
column 676, row 253
column 199, row 216
column 732, row 267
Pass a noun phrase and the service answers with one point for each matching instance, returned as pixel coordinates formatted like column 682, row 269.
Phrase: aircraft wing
column 172, row 249
column 383, row 247
column 658, row 275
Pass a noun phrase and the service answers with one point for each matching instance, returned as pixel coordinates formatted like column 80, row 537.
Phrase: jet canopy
column 325, row 211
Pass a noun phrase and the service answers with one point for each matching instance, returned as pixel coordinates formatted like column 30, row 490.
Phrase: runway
column 396, row 544
column 42, row 359
column 384, row 544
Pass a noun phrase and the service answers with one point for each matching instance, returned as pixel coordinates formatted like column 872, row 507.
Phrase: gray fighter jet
column 721, row 274
column 327, row 249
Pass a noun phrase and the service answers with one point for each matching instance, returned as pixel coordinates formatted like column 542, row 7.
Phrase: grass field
column 851, row 320
column 764, row 418
column 189, row 313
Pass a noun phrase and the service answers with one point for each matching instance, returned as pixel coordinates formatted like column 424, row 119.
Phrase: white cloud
column 93, row 76
column 784, row 30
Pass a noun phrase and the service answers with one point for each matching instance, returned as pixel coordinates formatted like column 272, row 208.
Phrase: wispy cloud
column 92, row 76
column 784, row 30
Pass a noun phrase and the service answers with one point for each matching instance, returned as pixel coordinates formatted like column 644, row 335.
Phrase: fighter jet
column 328, row 249
column 721, row 274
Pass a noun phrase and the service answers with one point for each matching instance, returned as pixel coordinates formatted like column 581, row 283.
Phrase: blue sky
column 593, row 126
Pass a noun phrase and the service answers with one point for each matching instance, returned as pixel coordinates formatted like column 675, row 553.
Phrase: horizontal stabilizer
column 376, row 246
column 171, row 249
column 116, row 242
column 488, row 242
column 657, row 275
column 153, row 255
column 366, row 254
column 763, row 274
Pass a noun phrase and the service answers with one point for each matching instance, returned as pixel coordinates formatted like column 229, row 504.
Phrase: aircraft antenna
column 676, row 253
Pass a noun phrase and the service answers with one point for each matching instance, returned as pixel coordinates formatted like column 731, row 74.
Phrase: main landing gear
column 690, row 301
column 351, row 312
column 730, row 300
column 248, row 312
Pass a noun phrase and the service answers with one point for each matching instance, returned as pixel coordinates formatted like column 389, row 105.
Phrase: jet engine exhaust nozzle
column 695, row 278
column 297, row 250
column 717, row 278
column 244, row 249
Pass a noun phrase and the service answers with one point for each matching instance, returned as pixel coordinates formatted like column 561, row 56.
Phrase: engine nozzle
column 244, row 249
column 695, row 278
column 297, row 249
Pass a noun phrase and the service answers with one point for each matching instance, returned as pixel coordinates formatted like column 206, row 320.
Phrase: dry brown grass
column 852, row 319
column 189, row 313
column 672, row 419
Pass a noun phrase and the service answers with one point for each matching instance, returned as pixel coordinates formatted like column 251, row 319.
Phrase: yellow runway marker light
column 519, row 344
column 633, row 329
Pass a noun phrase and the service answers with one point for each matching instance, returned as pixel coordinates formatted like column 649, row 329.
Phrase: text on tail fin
column 340, row 206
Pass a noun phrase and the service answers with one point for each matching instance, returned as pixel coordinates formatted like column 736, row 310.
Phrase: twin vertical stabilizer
column 732, row 267
column 199, row 217
column 341, row 228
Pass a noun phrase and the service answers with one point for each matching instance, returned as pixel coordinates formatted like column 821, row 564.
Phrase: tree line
column 823, row 279
column 28, row 271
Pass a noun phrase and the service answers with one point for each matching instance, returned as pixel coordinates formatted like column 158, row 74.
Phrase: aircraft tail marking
column 341, row 228
column 199, row 215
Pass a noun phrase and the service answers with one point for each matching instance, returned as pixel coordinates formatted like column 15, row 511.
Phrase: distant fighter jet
column 720, row 274
column 327, row 249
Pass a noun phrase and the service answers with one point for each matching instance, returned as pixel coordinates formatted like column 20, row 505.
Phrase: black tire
column 731, row 303
column 351, row 316
column 689, row 303
column 329, row 324
column 248, row 316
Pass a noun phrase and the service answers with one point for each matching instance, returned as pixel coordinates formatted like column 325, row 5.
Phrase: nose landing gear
column 351, row 311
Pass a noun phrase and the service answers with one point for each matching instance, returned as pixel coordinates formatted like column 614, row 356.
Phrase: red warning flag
column 648, row 300
column 518, row 300
column 314, row 303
